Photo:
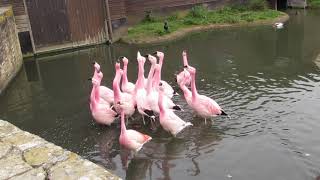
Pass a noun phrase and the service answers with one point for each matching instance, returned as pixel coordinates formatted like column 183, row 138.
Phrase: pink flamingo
column 168, row 120
column 168, row 90
column 184, row 75
column 95, row 92
column 153, row 94
column 140, row 93
column 186, row 92
column 126, row 86
column 203, row 105
column 105, row 93
column 132, row 139
column 125, row 98
column 101, row 112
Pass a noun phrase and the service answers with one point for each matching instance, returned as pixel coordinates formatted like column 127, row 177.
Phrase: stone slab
column 34, row 174
column 4, row 149
column 13, row 165
column 26, row 156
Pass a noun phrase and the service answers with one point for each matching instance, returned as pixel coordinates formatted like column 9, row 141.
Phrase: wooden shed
column 61, row 24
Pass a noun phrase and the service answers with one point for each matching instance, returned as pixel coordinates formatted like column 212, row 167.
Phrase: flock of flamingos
column 151, row 96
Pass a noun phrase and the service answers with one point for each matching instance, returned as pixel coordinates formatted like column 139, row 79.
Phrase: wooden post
column 105, row 19
column 109, row 19
column 30, row 29
column 276, row 5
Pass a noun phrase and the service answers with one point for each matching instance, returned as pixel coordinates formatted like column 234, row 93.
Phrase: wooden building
column 48, row 25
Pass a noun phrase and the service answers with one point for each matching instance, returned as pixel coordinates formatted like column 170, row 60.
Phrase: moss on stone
column 6, row 14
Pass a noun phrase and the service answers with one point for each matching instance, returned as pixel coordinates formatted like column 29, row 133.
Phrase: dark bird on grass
column 166, row 26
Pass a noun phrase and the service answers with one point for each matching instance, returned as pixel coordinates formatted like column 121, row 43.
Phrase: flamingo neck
column 123, row 125
column 116, row 88
column 193, row 86
column 93, row 98
column 186, row 91
column 156, row 78
column 160, row 103
column 140, row 81
column 97, row 91
column 149, row 82
column 160, row 63
column 125, row 77
column 185, row 61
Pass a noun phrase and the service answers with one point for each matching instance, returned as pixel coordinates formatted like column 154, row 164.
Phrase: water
column 269, row 81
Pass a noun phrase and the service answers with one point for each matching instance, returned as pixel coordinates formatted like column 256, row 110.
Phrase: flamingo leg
column 144, row 123
column 205, row 120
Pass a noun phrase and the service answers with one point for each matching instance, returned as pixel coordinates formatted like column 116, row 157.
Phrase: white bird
column 278, row 25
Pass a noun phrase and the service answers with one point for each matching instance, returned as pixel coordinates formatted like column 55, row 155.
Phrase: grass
column 152, row 27
column 314, row 3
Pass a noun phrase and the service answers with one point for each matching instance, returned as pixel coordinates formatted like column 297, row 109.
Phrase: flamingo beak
column 155, row 53
column 146, row 56
column 121, row 57
column 89, row 79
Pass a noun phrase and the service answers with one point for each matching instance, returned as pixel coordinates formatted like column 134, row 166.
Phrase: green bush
column 257, row 5
column 173, row 17
column 148, row 17
column 199, row 12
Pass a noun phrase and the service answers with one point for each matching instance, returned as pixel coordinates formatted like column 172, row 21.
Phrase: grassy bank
column 314, row 3
column 153, row 27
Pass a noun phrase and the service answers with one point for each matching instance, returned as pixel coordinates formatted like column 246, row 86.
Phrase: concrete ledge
column 27, row 156
column 185, row 31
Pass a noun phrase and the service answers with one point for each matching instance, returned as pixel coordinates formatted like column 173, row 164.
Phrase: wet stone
column 12, row 165
column 77, row 168
column 24, row 140
column 4, row 148
column 34, row 174
column 46, row 155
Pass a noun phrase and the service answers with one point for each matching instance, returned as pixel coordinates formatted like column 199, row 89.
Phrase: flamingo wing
column 209, row 105
column 137, row 136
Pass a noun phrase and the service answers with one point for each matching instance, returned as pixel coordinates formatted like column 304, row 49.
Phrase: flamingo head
column 191, row 70
column 96, row 66
column 125, row 60
column 117, row 66
column 98, row 75
column 152, row 59
column 184, row 53
column 159, row 54
column 140, row 58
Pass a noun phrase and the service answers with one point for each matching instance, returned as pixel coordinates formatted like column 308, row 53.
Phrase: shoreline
column 186, row 31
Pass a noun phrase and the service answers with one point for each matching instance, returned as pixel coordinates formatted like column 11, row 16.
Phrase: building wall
column 10, row 56
column 19, row 12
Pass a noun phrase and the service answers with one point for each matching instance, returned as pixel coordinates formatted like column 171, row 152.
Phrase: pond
column 268, row 81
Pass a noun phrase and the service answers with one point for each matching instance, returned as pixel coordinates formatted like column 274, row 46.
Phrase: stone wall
column 27, row 156
column 10, row 52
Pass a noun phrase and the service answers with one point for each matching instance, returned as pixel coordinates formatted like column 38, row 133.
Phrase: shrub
column 199, row 12
column 257, row 4
column 148, row 17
